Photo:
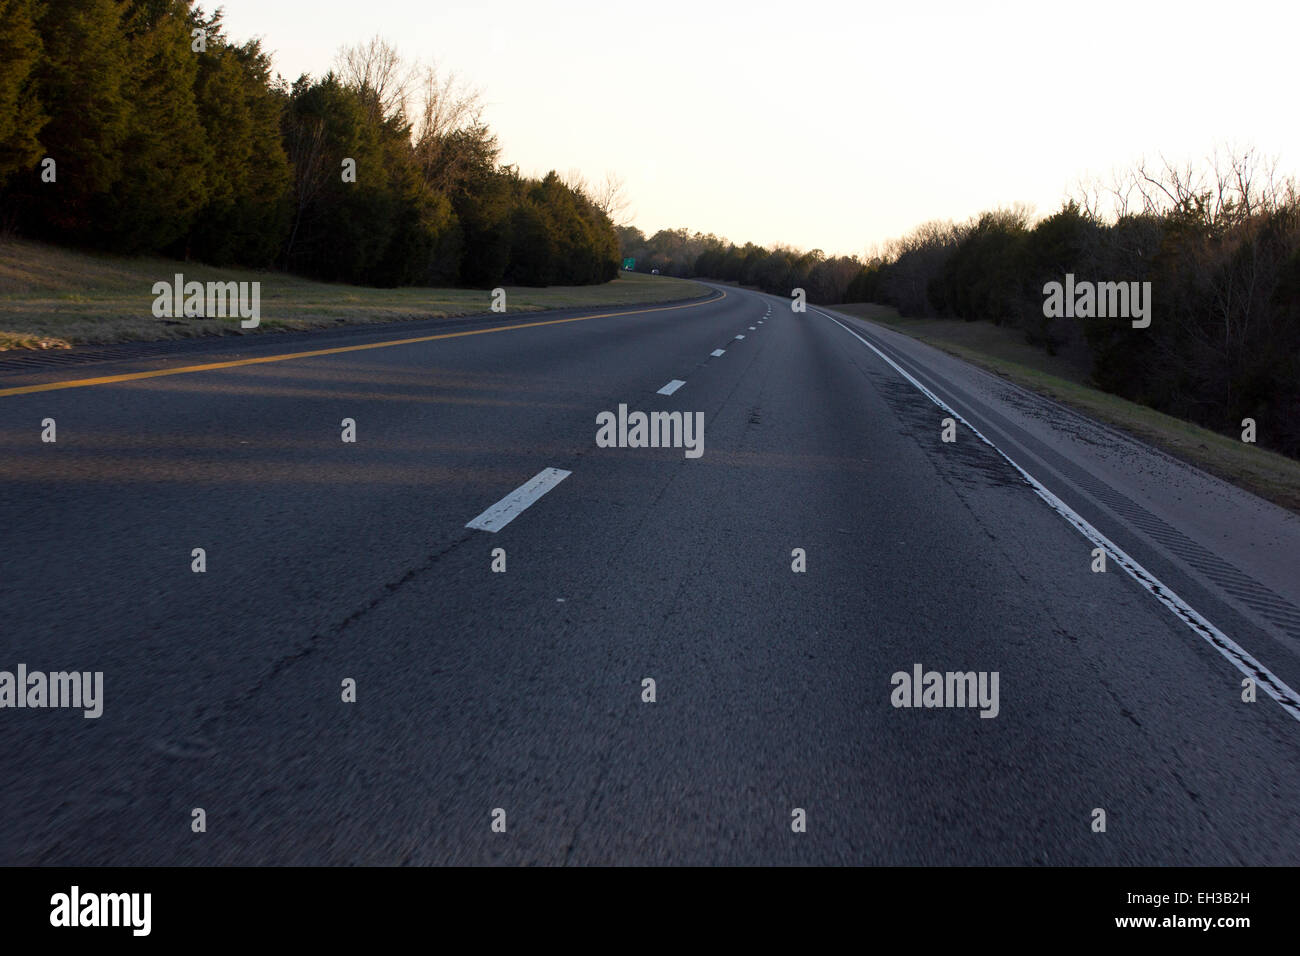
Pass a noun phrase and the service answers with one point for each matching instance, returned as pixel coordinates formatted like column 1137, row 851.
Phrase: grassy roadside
column 1004, row 352
column 52, row 297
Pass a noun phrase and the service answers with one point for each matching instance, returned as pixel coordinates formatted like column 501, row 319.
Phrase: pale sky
column 828, row 124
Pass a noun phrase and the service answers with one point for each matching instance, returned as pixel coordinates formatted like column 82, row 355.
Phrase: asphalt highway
column 824, row 540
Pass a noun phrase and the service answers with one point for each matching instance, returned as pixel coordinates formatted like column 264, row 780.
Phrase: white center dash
column 512, row 505
column 716, row 352
column 740, row 336
column 751, row 328
column 671, row 387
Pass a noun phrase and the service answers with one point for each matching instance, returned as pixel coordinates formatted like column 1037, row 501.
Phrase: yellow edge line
column 158, row 373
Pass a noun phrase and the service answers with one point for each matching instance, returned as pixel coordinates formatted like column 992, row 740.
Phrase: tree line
column 681, row 253
column 140, row 126
column 1219, row 242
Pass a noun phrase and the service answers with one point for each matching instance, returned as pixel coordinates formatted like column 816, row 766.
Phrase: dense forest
column 139, row 126
column 1219, row 242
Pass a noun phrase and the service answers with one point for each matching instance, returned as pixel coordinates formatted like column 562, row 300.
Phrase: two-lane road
column 523, row 689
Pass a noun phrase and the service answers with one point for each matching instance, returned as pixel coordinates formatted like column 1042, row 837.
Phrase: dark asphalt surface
column 523, row 690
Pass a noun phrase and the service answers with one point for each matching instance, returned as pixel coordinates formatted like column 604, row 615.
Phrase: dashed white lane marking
column 740, row 336
column 752, row 329
column 716, row 352
column 671, row 387
column 512, row 505
column 1237, row 655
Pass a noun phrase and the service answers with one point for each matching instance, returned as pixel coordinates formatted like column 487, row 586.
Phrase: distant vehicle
column 654, row 272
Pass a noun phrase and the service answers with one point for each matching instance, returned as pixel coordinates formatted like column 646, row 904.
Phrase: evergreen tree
column 81, row 85
column 166, row 154
column 341, row 229
column 21, row 117
column 246, row 216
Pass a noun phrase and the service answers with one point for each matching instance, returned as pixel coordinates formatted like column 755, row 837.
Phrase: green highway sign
column 629, row 264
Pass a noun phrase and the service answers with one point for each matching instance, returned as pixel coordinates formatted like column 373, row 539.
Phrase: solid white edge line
column 512, row 505
column 1230, row 649
column 671, row 387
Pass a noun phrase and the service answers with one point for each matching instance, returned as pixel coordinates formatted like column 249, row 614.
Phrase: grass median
column 52, row 297
column 1004, row 352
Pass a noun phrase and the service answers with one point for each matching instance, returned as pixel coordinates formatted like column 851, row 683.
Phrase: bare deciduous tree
column 305, row 142
column 380, row 74
column 447, row 104
column 609, row 195
column 611, row 199
column 1230, row 186
column 449, row 132
column 574, row 178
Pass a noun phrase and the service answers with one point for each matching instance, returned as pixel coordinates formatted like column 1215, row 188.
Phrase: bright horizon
column 729, row 118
